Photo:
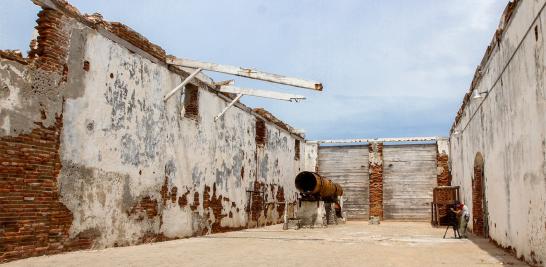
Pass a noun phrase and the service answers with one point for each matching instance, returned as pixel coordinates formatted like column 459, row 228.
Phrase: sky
column 393, row 68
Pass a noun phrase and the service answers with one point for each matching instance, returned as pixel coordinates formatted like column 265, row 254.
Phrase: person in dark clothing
column 452, row 220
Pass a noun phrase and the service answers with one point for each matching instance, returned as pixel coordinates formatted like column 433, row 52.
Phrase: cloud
column 389, row 67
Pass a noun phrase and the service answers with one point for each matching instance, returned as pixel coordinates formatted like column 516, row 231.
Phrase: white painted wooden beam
column 186, row 81
column 246, row 72
column 228, row 106
column 260, row 93
column 221, row 83
column 378, row 140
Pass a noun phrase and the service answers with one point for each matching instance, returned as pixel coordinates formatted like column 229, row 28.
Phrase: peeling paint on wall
column 130, row 167
column 507, row 127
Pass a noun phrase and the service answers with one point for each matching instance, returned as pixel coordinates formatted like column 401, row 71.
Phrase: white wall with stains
column 311, row 156
column 508, row 128
column 123, row 147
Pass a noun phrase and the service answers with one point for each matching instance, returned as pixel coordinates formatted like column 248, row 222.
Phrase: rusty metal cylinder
column 311, row 183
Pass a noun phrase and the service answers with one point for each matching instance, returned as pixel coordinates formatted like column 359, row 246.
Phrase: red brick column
column 477, row 201
column 443, row 177
column 375, row 163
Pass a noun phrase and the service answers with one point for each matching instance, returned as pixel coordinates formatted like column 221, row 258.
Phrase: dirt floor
column 351, row 244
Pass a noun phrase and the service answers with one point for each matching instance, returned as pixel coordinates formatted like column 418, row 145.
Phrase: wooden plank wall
column 409, row 175
column 348, row 166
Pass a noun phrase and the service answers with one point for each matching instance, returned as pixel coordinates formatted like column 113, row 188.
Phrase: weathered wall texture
column 91, row 155
column 311, row 156
column 389, row 181
column 443, row 174
column 348, row 166
column 375, row 167
column 508, row 128
column 409, row 177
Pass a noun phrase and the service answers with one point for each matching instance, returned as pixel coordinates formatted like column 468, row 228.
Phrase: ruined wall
column 311, row 156
column 92, row 157
column 443, row 174
column 389, row 181
column 508, row 129
column 375, row 167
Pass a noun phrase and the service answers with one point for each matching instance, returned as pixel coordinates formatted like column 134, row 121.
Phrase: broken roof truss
column 228, row 87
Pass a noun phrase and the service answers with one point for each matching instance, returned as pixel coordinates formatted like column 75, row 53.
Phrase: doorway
column 479, row 202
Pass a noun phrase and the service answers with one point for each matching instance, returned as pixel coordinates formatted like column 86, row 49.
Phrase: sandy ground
column 351, row 244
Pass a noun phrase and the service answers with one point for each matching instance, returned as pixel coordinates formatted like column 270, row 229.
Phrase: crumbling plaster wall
column 311, row 156
column 133, row 168
column 509, row 129
column 121, row 143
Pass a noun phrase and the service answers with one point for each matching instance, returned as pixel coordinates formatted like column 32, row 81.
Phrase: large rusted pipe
column 311, row 183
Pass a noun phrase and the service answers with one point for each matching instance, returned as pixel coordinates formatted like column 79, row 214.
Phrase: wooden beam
column 186, row 81
column 260, row 93
column 228, row 106
column 222, row 83
column 246, row 72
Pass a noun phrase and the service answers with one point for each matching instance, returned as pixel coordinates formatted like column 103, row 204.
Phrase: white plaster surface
column 121, row 143
column 509, row 130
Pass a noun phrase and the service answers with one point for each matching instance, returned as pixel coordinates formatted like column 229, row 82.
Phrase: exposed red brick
column 32, row 53
column 14, row 55
column 53, row 40
column 136, row 39
column 191, row 102
column 183, row 200
column 33, row 221
column 174, row 192
column 164, row 192
column 195, row 204
column 443, row 178
column 376, row 179
column 257, row 201
column 147, row 206
column 122, row 31
column 271, row 118
column 477, row 200
column 261, row 132
column 214, row 203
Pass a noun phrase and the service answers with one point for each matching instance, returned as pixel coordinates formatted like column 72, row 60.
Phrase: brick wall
column 444, row 175
column 33, row 221
column 477, row 199
column 443, row 178
column 191, row 102
column 261, row 132
column 376, row 178
column 52, row 40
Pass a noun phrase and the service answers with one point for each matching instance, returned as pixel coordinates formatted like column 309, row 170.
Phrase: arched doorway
column 479, row 203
